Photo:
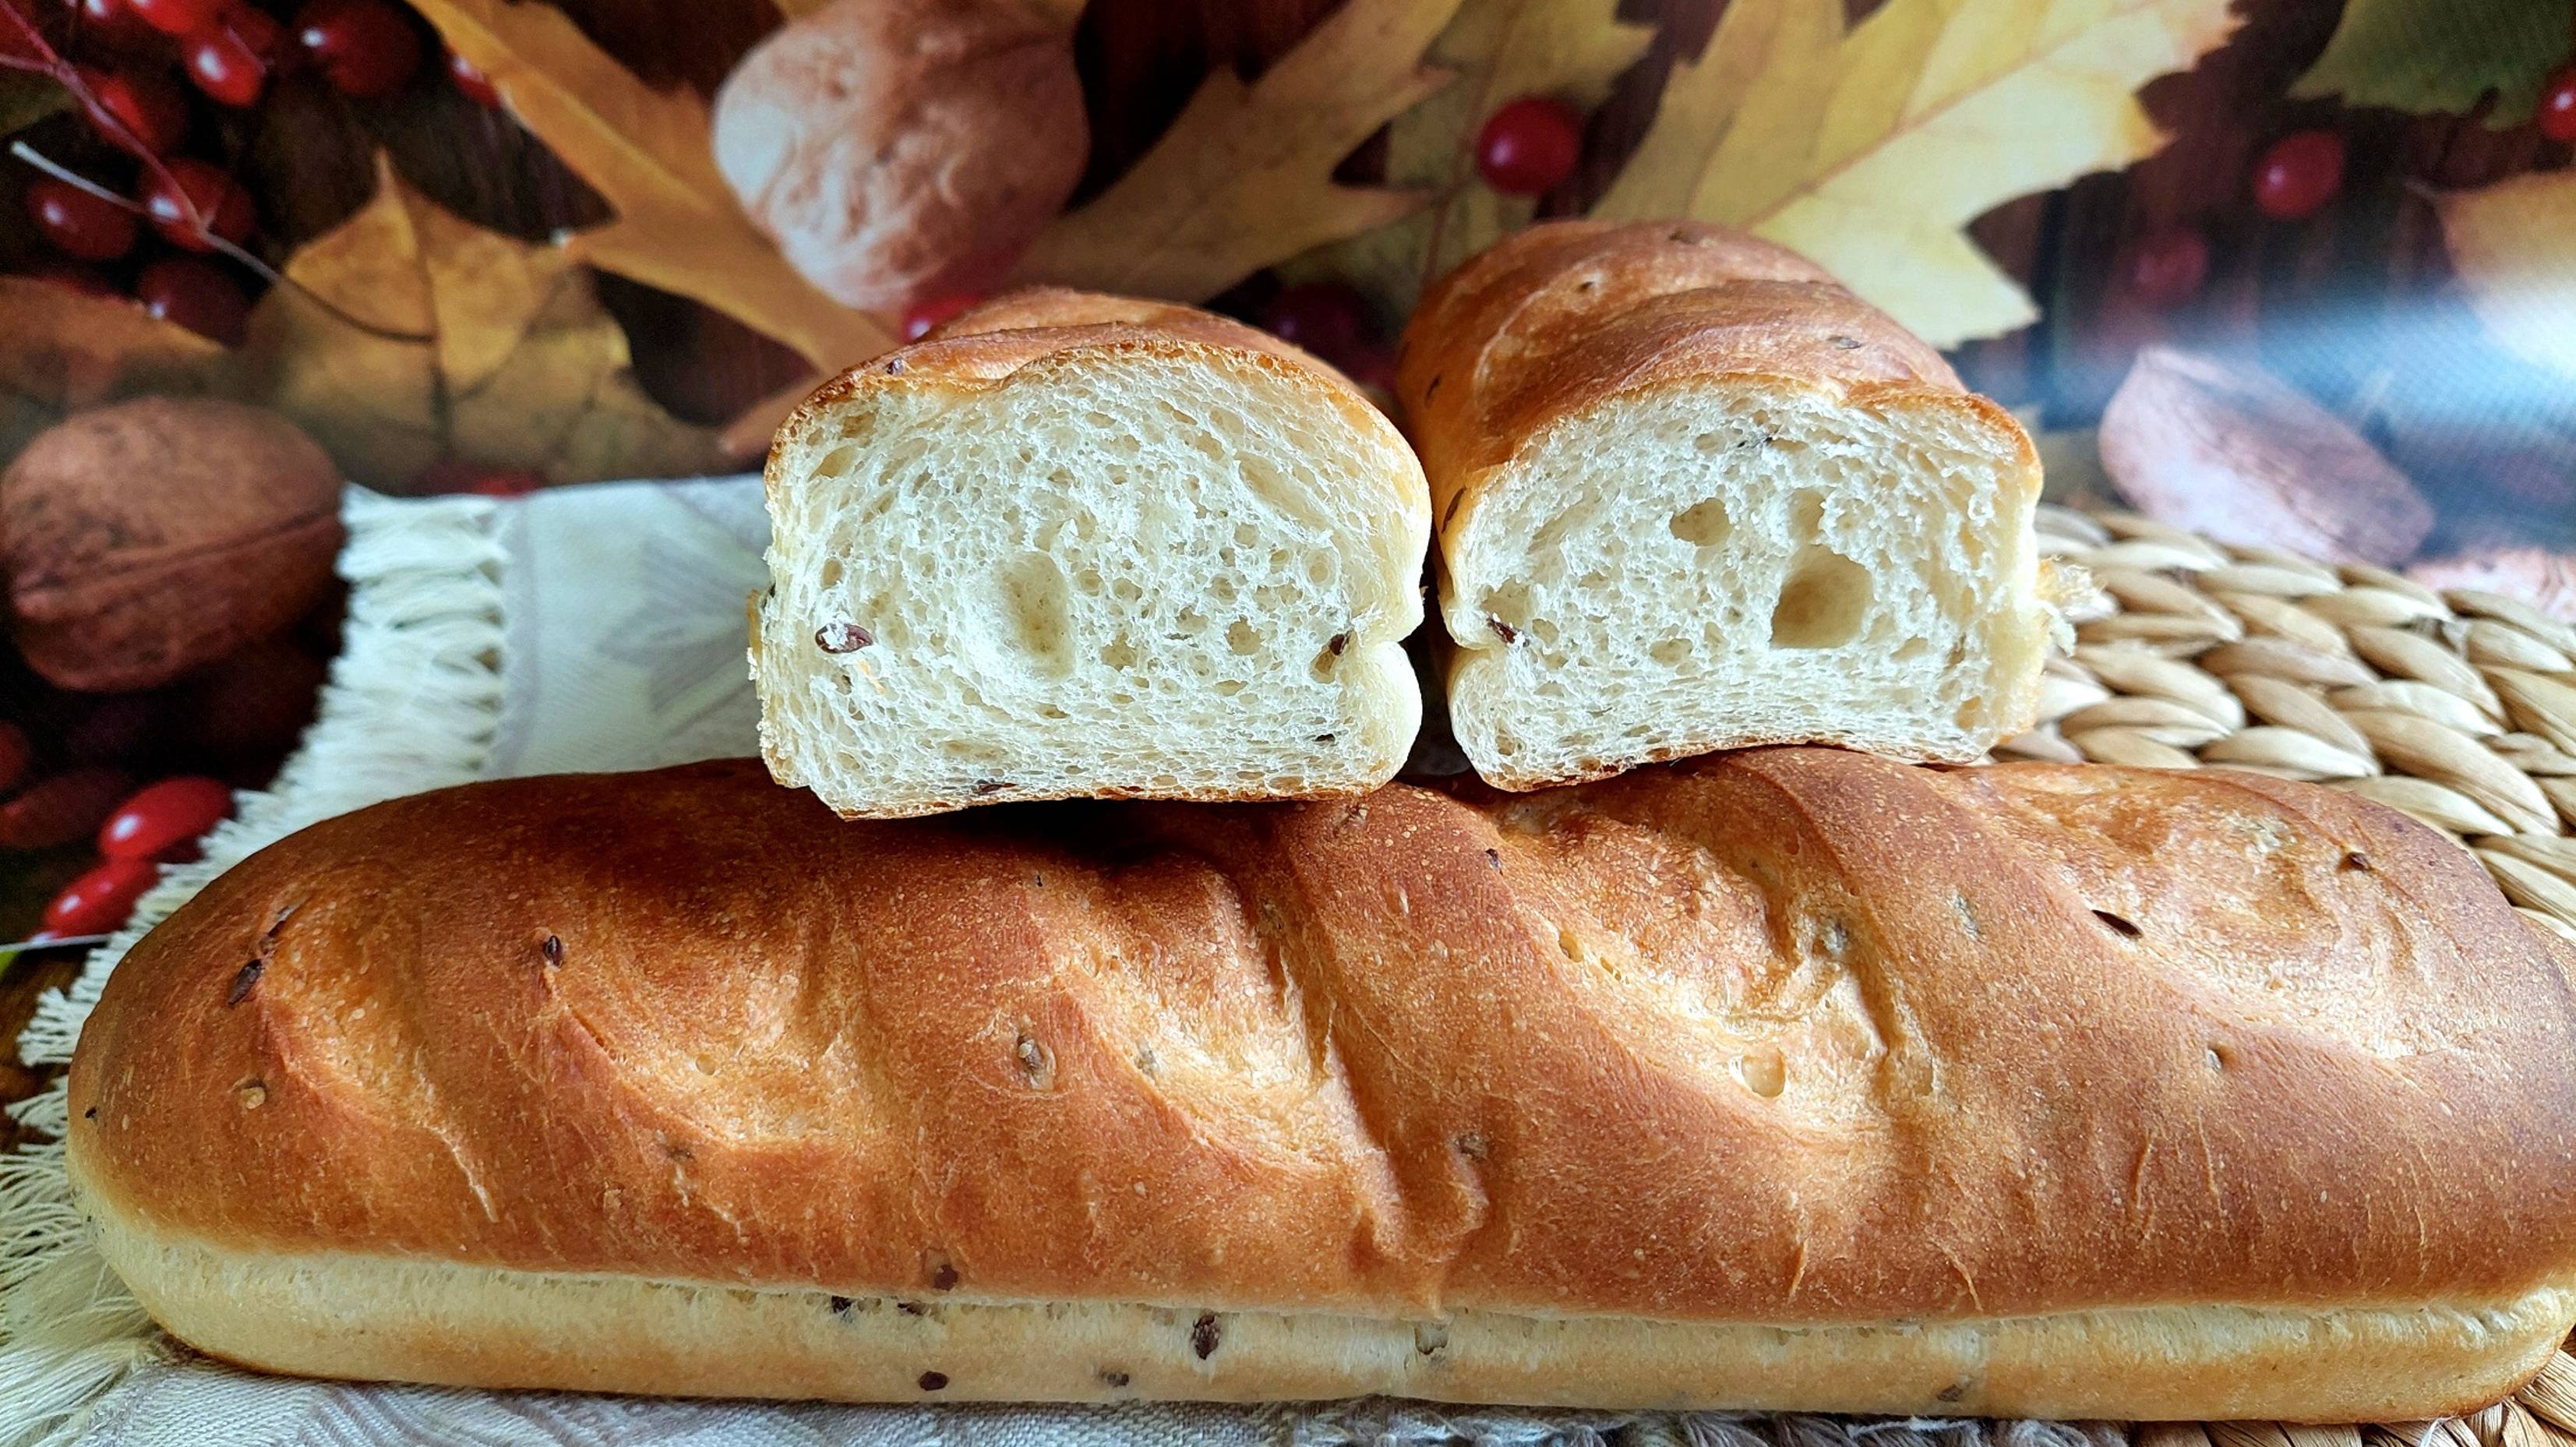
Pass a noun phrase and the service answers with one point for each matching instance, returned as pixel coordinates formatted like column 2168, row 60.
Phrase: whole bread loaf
column 1786, row 1079
column 1692, row 494
column 1084, row 545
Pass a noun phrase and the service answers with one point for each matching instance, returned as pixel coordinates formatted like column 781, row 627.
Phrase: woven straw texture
column 2458, row 707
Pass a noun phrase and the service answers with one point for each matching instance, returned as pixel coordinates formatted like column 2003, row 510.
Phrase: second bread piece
column 1694, row 495
column 1081, row 545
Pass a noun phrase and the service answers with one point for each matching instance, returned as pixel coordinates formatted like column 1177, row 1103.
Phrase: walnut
column 2229, row 451
column 899, row 150
column 146, row 538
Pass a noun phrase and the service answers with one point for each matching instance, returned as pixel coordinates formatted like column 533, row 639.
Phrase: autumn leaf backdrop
column 1984, row 169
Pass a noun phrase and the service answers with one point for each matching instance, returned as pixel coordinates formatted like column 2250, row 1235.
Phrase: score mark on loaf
column 1783, row 1079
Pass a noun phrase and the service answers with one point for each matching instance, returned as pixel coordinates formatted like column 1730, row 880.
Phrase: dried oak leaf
column 1869, row 148
column 1496, row 50
column 62, row 350
column 1243, row 178
column 2510, row 245
column 678, row 226
column 409, row 334
column 2442, row 55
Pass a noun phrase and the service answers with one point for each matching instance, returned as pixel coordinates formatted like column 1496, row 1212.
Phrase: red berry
column 196, row 295
column 473, row 84
column 1530, row 145
column 218, row 199
column 87, row 280
column 507, row 482
column 76, row 223
column 15, row 754
column 921, row 316
column 456, row 474
column 231, row 61
column 2299, row 174
column 100, row 900
column 365, row 47
column 57, row 810
column 113, row 25
column 2558, row 107
column 164, row 817
column 1327, row 318
column 2168, row 266
column 179, row 17
column 145, row 105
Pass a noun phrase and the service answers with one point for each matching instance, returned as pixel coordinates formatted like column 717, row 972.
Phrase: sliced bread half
column 1081, row 545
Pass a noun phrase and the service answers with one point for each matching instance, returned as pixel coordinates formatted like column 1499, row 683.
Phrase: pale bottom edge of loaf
column 403, row 1319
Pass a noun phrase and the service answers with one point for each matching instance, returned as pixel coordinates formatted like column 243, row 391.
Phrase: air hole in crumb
column 1430, row 1338
column 1670, row 651
column 830, row 576
column 1205, row 1335
column 933, row 1381
column 1824, row 601
column 1702, row 524
column 1242, row 637
column 1763, row 1071
column 836, row 463
column 1034, row 600
column 1112, row 1378
column 2120, row 925
column 840, row 1306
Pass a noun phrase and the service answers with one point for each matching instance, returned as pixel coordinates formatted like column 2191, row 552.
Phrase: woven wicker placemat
column 2458, row 707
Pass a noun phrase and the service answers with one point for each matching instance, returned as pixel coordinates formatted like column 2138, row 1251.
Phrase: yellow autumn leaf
column 407, row 334
column 678, row 226
column 1498, row 51
column 2513, row 245
column 1870, row 148
column 1243, row 178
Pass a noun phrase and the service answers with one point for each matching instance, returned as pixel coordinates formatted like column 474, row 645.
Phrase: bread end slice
column 1158, row 555
column 1708, row 563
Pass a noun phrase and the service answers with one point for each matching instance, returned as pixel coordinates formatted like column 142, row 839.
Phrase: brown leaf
column 62, row 350
column 409, row 334
column 401, row 336
column 678, row 226
column 1244, row 177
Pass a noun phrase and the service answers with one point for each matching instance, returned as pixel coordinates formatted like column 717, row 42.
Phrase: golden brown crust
column 989, row 341
column 1559, row 316
column 1792, row 1036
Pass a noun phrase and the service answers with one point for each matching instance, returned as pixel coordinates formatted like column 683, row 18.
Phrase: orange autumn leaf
column 678, row 226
